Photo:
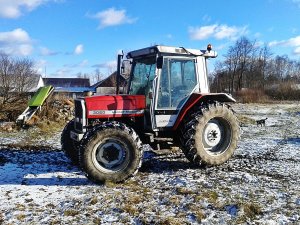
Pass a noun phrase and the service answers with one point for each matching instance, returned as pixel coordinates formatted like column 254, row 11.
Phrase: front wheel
column 112, row 153
column 68, row 145
column 214, row 135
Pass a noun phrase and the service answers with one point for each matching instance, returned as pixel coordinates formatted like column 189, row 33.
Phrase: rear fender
column 196, row 98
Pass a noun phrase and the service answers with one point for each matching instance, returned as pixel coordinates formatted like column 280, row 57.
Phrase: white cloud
column 40, row 66
column 47, row 52
column 16, row 42
column 15, row 8
column 292, row 42
column 107, row 67
column 78, row 49
column 63, row 72
column 216, row 31
column 297, row 51
column 25, row 49
column 18, row 35
column 113, row 17
column 83, row 63
column 109, row 64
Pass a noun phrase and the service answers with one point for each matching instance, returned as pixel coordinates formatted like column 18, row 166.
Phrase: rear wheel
column 113, row 152
column 211, row 135
column 68, row 145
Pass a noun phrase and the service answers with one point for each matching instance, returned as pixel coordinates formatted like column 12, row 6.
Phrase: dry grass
column 131, row 209
column 21, row 217
column 184, row 191
column 20, row 207
column 71, row 212
column 210, row 196
column 94, row 200
column 251, row 210
column 1, row 218
column 284, row 91
column 245, row 120
column 251, row 96
column 170, row 221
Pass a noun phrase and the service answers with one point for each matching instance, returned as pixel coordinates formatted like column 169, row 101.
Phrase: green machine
column 35, row 104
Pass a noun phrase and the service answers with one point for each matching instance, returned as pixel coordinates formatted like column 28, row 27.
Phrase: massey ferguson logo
column 115, row 112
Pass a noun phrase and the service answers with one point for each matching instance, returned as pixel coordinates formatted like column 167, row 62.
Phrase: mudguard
column 195, row 98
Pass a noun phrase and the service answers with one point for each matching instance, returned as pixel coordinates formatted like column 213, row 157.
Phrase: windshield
column 142, row 75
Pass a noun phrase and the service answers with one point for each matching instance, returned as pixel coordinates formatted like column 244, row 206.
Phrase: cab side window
column 177, row 81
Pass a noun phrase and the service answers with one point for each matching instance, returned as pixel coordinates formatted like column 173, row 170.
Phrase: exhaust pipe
column 120, row 57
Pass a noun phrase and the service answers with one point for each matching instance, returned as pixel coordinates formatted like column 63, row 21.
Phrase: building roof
column 73, row 89
column 67, row 82
column 110, row 81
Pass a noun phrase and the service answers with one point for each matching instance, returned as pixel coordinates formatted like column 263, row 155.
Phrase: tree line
column 17, row 75
column 248, row 65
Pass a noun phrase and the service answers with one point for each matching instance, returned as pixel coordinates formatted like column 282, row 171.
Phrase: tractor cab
column 167, row 76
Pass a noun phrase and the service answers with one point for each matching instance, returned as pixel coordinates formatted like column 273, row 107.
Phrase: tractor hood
column 115, row 106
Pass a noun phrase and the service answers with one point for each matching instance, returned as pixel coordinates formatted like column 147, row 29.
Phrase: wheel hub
column 110, row 154
column 212, row 134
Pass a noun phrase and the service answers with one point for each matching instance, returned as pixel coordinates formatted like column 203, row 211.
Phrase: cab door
column 141, row 83
column 177, row 80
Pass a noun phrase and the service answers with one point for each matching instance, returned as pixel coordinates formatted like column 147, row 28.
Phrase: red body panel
column 115, row 106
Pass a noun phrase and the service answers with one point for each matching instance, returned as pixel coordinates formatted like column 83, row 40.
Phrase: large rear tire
column 68, row 145
column 211, row 135
column 111, row 152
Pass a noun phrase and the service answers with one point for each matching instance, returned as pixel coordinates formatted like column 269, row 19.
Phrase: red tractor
column 167, row 102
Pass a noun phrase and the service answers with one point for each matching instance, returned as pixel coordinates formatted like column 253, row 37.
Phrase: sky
column 68, row 37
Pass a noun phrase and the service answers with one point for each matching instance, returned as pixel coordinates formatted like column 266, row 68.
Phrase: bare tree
column 24, row 75
column 97, row 76
column 16, row 77
column 6, row 81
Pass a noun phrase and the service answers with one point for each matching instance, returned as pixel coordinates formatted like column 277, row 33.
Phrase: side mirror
column 159, row 62
column 126, row 66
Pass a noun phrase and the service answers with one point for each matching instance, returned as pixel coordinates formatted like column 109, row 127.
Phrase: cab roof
column 168, row 50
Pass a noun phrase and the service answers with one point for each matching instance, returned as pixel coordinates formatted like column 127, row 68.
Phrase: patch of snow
column 40, row 186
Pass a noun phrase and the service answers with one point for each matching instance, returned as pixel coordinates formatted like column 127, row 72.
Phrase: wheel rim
column 216, row 136
column 111, row 155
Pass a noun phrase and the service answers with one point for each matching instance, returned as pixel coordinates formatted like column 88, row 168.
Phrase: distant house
column 71, row 87
column 37, row 82
column 108, row 85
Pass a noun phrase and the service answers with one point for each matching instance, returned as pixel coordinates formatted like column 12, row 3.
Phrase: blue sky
column 66, row 37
